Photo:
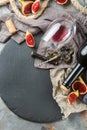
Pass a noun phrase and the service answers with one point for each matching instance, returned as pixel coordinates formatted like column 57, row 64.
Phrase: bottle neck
column 77, row 70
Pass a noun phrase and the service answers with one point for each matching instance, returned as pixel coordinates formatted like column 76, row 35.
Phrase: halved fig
column 36, row 6
column 80, row 86
column 73, row 96
column 61, row 2
column 26, row 7
column 29, row 39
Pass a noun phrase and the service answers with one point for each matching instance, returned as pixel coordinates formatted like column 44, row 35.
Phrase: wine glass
column 60, row 31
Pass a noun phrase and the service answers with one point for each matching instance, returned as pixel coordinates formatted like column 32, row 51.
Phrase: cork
column 11, row 27
column 64, row 88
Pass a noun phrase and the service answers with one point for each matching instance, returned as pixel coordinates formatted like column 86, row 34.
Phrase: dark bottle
column 78, row 69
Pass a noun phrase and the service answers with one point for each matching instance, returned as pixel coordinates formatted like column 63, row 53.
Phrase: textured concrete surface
column 9, row 121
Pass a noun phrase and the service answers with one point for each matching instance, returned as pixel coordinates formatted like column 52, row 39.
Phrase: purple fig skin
column 85, row 99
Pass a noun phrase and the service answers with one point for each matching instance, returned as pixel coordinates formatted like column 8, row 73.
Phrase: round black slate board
column 26, row 90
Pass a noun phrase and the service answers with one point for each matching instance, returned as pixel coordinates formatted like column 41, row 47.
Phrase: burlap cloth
column 57, row 75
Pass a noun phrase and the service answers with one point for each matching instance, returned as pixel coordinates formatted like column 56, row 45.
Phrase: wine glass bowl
column 60, row 30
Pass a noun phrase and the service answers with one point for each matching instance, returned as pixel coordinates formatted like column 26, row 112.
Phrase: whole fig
column 85, row 99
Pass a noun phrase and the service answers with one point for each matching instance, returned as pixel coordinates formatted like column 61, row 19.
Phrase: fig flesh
column 29, row 39
column 73, row 96
column 26, row 7
column 61, row 2
column 36, row 6
column 80, row 86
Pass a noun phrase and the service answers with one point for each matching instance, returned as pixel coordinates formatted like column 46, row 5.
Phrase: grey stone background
column 9, row 121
